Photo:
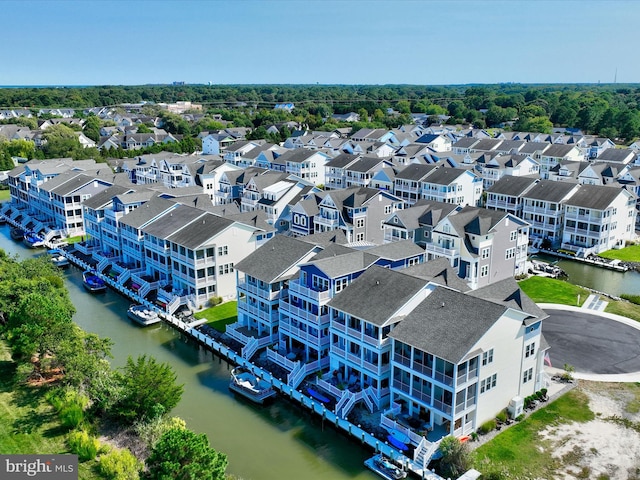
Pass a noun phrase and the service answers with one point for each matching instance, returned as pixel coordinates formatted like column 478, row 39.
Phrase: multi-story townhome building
column 618, row 156
column 215, row 143
column 416, row 223
column 599, row 173
column 208, row 176
column 231, row 184
column 384, row 179
column 411, row 153
column 307, row 164
column 555, row 154
column 598, row 218
column 359, row 212
column 262, row 280
column 407, row 184
column 234, row 152
column 436, row 142
column 506, row 194
column 484, row 245
column 509, row 147
column 360, row 172
column 335, row 175
column 252, row 192
column 457, row 360
column 173, row 171
column 486, row 145
column 566, row 171
column 542, row 208
column 534, row 149
column 452, row 185
column 597, row 145
column 630, row 179
column 371, row 135
column 257, row 156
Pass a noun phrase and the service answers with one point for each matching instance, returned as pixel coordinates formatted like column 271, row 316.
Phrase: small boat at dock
column 32, row 240
column 249, row 385
column 17, row 234
column 58, row 259
column 142, row 315
column 385, row 468
column 93, row 283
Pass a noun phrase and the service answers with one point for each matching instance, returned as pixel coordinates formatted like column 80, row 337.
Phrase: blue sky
column 129, row 42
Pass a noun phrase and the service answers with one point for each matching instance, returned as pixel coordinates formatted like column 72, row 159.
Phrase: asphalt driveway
column 591, row 343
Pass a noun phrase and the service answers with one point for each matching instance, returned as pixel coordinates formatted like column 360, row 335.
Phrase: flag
column 547, row 359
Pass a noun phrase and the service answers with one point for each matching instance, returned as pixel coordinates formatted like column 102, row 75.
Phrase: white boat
column 249, row 385
column 58, row 259
column 142, row 315
column 383, row 467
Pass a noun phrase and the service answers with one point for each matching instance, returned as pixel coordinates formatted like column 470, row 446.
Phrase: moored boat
column 58, row 259
column 17, row 234
column 249, row 385
column 142, row 315
column 383, row 467
column 32, row 240
column 93, row 283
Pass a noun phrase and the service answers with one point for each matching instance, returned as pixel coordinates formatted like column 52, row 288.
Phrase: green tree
column 455, row 457
column 181, row 454
column 146, row 384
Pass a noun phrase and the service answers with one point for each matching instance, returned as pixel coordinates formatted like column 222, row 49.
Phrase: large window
column 487, row 357
column 489, row 383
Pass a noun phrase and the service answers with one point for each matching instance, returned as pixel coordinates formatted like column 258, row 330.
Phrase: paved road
column 591, row 343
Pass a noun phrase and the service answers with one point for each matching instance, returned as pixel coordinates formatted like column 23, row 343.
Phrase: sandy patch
column 602, row 448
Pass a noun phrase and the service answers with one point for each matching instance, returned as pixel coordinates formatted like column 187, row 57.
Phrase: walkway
column 595, row 302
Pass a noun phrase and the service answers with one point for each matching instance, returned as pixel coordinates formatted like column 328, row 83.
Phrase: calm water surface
column 278, row 441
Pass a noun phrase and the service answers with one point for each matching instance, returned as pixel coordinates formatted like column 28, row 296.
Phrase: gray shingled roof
column 507, row 292
column 274, row 258
column 512, row 186
column 549, row 191
column 199, row 231
column 326, row 238
column 396, row 250
column 597, row 197
column 365, row 164
column 146, row 212
column 438, row 271
column 445, row 175
column 177, row 218
column 617, row 155
column 340, row 265
column 104, row 197
column 415, row 172
column 558, row 150
column 342, row 160
column 377, row 294
column 448, row 324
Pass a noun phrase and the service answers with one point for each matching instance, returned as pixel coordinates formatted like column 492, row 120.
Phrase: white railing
column 233, row 332
column 335, row 391
column 346, row 395
column 102, row 264
column 173, row 305
column 293, row 374
column 124, row 276
column 250, row 348
column 373, row 397
column 438, row 250
column 144, row 290
column 295, row 287
column 281, row 360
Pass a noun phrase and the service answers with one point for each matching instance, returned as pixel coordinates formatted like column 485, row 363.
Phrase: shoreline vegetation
column 59, row 393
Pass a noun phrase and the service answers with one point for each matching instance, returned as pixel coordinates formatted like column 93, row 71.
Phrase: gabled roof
column 341, row 265
column 558, row 150
column 200, row 230
column 513, row 186
column 445, row 175
column 448, row 324
column 396, row 250
column 507, row 292
column 103, row 198
column 530, row 148
column 364, row 164
column 596, row 197
column 172, row 221
column 377, row 294
column 622, row 155
column 279, row 255
column 342, row 160
column 143, row 214
column 438, row 271
column 549, row 191
column 331, row 237
column 297, row 155
column 415, row 172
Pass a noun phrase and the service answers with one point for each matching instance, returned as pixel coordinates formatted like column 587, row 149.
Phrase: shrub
column 502, row 416
column 631, row 298
column 119, row 465
column 83, row 444
column 544, row 391
column 487, row 427
column 213, row 301
column 71, row 416
column 69, row 404
column 520, row 417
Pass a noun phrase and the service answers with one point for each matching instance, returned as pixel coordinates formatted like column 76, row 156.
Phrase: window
column 528, row 375
column 341, row 283
column 510, row 253
column 360, row 237
column 224, row 250
column 225, row 269
column 484, row 270
column 513, row 235
column 529, row 350
column 387, row 209
column 487, row 357
column 489, row 383
column 359, row 222
column 485, row 252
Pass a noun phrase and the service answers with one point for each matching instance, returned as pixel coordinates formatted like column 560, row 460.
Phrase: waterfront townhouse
column 253, row 190
column 407, row 183
column 598, row 218
column 416, row 223
column 542, row 208
column 452, row 185
column 262, row 280
column 234, row 153
column 335, row 175
column 484, row 245
column 459, row 359
column 507, row 194
column 359, row 212
column 555, row 154
column 173, row 171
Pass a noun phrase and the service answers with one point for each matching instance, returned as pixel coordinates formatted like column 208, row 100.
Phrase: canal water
column 277, row 441
column 600, row 279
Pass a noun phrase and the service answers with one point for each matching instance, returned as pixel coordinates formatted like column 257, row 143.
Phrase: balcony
column 326, row 220
column 255, row 311
column 439, row 251
column 265, row 293
column 314, row 340
column 295, row 312
column 300, row 290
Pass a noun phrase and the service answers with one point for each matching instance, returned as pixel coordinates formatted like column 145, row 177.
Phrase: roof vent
column 442, row 304
column 377, row 282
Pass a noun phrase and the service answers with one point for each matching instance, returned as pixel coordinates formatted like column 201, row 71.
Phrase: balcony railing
column 296, row 288
column 316, row 320
column 441, row 251
column 265, row 293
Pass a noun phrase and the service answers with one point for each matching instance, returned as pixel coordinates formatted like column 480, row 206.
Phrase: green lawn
column 220, row 316
column 4, row 195
column 626, row 254
column 519, row 452
column 626, row 309
column 28, row 424
column 550, row 290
